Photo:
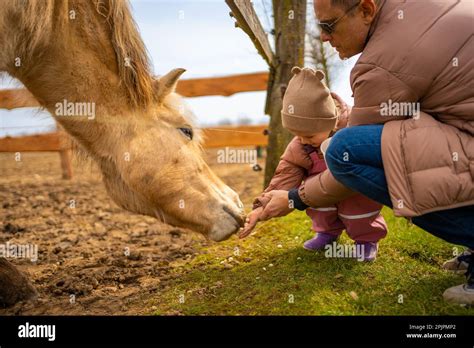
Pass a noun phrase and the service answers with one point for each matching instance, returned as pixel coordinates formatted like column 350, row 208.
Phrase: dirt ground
column 93, row 257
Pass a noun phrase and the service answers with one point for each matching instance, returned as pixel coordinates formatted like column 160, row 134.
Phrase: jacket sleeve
column 289, row 173
column 375, row 90
column 323, row 190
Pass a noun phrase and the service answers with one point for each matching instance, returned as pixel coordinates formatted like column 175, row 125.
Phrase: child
column 311, row 114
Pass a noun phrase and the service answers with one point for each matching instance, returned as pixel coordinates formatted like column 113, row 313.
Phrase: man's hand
column 277, row 206
column 251, row 222
column 344, row 111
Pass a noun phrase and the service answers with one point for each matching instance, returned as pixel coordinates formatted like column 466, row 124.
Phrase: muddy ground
column 93, row 257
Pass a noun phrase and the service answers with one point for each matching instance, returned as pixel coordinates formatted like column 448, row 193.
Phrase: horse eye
column 188, row 132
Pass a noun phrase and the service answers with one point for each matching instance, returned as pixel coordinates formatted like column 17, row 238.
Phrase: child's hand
column 251, row 222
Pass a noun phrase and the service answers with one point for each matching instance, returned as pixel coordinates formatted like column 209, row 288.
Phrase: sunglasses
column 329, row 26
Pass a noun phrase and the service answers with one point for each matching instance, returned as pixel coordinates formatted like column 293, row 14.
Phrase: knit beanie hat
column 308, row 106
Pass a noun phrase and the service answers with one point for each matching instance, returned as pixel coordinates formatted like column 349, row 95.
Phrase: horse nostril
column 238, row 218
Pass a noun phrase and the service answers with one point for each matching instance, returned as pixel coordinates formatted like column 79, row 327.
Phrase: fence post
column 65, row 153
column 66, row 165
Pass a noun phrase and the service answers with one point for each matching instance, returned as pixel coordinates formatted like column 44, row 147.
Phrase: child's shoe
column 464, row 293
column 319, row 241
column 369, row 250
column 461, row 294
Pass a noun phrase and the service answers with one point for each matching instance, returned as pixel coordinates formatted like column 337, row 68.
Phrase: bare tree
column 289, row 33
column 289, row 25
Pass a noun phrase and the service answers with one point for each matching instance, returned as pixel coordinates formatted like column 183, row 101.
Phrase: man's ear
column 369, row 9
column 166, row 84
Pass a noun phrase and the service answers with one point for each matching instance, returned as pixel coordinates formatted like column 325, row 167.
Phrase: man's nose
column 325, row 36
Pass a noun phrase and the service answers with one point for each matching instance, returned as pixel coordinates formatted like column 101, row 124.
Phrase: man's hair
column 346, row 4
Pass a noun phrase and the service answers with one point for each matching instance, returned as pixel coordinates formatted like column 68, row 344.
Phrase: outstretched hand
column 251, row 222
column 278, row 205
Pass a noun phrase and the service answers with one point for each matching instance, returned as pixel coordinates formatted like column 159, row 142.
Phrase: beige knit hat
column 308, row 106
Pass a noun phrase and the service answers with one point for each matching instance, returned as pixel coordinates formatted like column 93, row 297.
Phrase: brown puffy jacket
column 418, row 51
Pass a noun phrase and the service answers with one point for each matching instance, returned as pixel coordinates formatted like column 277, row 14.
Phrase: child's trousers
column 358, row 215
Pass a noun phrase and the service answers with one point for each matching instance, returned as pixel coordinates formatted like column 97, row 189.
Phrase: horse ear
column 166, row 84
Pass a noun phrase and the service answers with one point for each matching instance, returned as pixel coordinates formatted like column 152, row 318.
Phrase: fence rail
column 238, row 136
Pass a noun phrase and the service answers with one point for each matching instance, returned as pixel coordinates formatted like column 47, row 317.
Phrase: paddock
column 93, row 257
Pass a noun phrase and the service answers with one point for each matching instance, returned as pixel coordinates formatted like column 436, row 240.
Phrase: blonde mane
column 43, row 17
column 132, row 58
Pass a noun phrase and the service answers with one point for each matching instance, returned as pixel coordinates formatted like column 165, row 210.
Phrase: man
column 410, row 144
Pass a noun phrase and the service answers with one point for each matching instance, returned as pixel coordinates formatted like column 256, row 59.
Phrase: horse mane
column 42, row 17
column 132, row 58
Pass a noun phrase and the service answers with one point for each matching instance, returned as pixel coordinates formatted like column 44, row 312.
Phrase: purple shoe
column 369, row 251
column 319, row 241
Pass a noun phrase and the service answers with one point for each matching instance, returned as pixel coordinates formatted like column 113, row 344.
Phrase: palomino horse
column 89, row 55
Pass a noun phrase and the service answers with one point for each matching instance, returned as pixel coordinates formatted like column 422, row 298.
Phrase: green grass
column 262, row 278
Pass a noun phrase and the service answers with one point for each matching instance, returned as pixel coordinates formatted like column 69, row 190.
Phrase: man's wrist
column 295, row 199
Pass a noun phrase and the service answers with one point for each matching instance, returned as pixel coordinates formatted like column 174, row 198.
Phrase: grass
column 269, row 273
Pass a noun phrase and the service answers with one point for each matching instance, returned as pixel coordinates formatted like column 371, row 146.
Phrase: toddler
column 313, row 114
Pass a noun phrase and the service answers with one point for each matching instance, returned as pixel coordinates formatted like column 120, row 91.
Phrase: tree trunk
column 290, row 20
column 324, row 62
column 14, row 286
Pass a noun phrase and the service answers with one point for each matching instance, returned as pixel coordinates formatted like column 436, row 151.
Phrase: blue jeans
column 354, row 157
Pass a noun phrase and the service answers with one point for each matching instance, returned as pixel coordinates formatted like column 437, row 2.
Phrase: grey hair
column 346, row 4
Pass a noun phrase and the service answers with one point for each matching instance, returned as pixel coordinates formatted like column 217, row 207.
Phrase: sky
column 200, row 36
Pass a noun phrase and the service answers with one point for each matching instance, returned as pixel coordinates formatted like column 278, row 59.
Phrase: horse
column 142, row 135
